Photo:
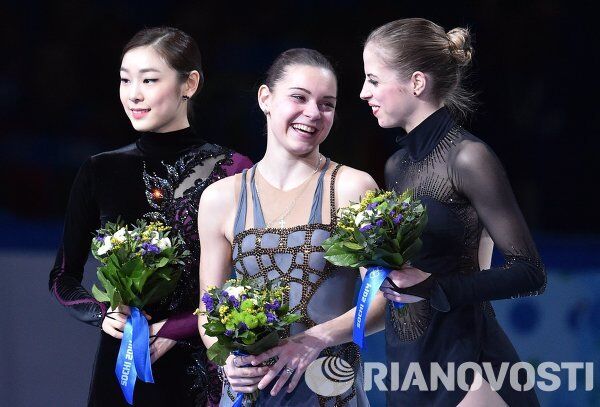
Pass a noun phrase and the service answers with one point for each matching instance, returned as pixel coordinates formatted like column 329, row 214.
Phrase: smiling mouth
column 303, row 128
column 374, row 109
column 139, row 113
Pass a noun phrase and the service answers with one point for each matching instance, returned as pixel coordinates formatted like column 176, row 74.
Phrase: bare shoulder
column 217, row 200
column 351, row 184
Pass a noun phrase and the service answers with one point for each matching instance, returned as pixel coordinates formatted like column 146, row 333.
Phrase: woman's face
column 391, row 99
column 301, row 107
column 151, row 92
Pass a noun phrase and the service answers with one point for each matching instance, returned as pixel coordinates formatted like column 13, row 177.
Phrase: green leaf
column 214, row 328
column 218, row 353
column 412, row 250
column 100, row 295
column 352, row 246
column 347, row 260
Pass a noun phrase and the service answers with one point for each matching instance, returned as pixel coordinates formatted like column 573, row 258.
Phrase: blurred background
column 535, row 69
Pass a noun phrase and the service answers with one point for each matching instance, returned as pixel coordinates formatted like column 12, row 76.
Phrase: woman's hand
column 243, row 379
column 158, row 345
column 406, row 277
column 114, row 320
column 294, row 355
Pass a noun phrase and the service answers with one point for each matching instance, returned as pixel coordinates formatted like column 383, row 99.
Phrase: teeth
column 304, row 127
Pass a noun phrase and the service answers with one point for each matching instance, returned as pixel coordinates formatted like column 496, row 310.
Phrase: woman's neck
column 422, row 112
column 286, row 171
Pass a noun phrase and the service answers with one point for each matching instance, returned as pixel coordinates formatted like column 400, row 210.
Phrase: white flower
column 236, row 292
column 119, row 236
column 106, row 246
column 163, row 243
column 154, row 237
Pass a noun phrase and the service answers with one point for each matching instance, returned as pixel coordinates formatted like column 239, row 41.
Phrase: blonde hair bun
column 459, row 45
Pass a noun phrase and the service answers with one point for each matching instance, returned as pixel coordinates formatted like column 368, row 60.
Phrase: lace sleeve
column 81, row 220
column 477, row 173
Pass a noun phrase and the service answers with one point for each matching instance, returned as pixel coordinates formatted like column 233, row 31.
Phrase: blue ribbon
column 370, row 285
column 133, row 360
column 239, row 399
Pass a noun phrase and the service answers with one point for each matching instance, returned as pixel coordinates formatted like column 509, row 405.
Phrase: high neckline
column 421, row 140
column 169, row 143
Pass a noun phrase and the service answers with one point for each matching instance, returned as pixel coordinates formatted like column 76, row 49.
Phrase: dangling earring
column 185, row 97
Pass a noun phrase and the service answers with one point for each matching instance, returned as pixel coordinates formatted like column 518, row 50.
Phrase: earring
column 415, row 92
column 185, row 97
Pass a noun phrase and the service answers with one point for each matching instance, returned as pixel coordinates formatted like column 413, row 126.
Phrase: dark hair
column 416, row 44
column 296, row 56
column 178, row 49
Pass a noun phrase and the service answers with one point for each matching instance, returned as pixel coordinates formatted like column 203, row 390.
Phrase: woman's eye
column 329, row 106
column 124, row 81
column 299, row 97
column 372, row 82
column 150, row 80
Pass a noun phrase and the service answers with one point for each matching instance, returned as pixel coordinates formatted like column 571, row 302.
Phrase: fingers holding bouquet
column 404, row 285
column 242, row 376
column 293, row 356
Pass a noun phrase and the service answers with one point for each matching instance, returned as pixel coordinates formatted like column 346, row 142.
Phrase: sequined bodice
column 294, row 256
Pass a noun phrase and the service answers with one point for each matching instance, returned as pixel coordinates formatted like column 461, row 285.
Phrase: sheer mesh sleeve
column 477, row 173
column 81, row 221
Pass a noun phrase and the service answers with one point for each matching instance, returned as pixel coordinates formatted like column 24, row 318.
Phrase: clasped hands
column 292, row 355
column 114, row 324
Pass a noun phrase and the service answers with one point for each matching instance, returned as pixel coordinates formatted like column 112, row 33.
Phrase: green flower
column 251, row 321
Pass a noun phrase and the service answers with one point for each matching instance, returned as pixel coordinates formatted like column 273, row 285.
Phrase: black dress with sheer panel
column 159, row 177
column 467, row 195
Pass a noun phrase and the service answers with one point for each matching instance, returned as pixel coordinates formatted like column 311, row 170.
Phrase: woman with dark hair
column 284, row 208
column 414, row 72
column 159, row 177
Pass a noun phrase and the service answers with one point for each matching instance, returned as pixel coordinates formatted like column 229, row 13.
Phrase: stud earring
column 185, row 97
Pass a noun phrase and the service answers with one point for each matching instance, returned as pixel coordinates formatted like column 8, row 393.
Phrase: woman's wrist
column 323, row 336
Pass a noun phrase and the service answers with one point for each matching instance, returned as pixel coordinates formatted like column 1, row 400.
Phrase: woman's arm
column 215, row 227
column 477, row 173
column 299, row 351
column 81, row 221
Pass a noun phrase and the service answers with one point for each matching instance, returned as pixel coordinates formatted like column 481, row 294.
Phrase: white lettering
column 437, row 374
column 542, row 371
column 413, row 376
column 377, row 377
column 495, row 381
column 572, row 377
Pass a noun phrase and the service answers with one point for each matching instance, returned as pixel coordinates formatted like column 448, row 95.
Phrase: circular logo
column 329, row 376
column 374, row 273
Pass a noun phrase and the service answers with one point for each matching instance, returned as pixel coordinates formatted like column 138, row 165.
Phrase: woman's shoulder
column 471, row 153
column 352, row 183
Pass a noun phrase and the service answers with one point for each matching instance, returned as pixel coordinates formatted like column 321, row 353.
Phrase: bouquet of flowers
column 245, row 318
column 139, row 267
column 381, row 232
column 139, row 264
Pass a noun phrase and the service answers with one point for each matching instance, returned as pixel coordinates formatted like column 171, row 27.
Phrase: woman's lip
column 303, row 134
column 375, row 109
column 139, row 113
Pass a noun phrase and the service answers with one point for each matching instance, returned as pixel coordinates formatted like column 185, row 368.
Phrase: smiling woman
column 159, row 177
column 283, row 210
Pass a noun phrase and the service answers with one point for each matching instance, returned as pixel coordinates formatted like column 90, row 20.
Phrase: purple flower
column 100, row 238
column 229, row 332
column 271, row 317
column 242, row 327
column 225, row 294
column 404, row 205
column 366, row 227
column 208, row 302
column 149, row 248
column 273, row 307
column 379, row 223
column 234, row 301
column 244, row 297
column 398, row 218
column 372, row 206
